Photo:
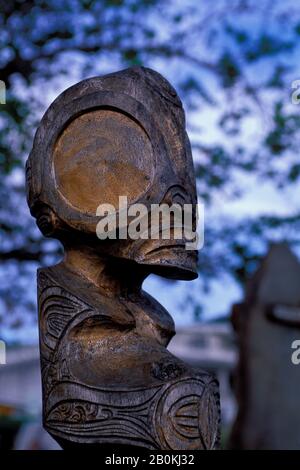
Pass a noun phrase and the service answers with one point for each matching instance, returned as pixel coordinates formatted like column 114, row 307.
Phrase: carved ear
column 47, row 221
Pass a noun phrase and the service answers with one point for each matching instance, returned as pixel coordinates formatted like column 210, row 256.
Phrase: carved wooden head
column 122, row 134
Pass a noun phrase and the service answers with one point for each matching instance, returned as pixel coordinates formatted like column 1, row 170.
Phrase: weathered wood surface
column 107, row 375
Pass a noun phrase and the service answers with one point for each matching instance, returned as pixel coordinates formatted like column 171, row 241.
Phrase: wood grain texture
column 107, row 375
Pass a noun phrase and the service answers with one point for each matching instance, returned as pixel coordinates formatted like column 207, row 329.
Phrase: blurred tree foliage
column 235, row 58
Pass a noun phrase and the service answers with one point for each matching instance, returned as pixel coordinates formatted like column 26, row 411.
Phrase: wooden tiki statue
column 107, row 376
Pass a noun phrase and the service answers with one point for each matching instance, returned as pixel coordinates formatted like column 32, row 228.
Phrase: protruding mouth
column 169, row 259
column 174, row 246
column 173, row 270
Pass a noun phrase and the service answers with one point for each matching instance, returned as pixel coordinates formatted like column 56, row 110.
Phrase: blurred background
column 234, row 64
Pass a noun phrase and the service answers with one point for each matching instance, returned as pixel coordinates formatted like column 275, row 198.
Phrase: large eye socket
column 100, row 156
